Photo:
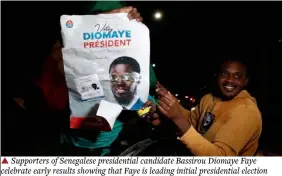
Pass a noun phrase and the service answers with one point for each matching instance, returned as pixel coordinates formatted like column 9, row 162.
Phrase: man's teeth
column 229, row 87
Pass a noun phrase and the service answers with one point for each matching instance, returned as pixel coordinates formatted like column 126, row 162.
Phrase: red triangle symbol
column 4, row 161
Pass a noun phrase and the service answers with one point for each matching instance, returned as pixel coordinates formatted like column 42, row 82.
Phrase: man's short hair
column 244, row 60
column 126, row 60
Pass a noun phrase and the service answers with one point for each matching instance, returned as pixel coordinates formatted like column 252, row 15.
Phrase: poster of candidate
column 106, row 57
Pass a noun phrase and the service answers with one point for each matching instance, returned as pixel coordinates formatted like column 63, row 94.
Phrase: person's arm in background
column 52, row 81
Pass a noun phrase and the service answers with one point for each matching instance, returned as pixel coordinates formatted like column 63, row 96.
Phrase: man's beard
column 124, row 99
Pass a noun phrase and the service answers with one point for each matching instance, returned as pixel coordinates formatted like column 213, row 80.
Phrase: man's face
column 232, row 79
column 122, row 83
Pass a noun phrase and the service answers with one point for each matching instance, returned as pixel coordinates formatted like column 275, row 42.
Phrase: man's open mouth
column 119, row 91
column 229, row 88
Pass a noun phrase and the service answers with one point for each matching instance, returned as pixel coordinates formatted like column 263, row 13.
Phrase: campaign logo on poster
column 69, row 24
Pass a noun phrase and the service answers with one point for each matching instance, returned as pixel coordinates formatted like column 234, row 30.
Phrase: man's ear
column 139, row 79
column 247, row 82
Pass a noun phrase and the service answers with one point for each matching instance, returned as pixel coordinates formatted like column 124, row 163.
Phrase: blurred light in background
column 153, row 65
column 186, row 97
column 176, row 95
column 158, row 15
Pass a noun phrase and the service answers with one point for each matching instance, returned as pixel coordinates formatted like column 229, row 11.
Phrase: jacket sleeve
column 242, row 127
column 194, row 115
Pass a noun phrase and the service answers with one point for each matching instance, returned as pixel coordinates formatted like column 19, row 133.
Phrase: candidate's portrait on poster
column 125, row 77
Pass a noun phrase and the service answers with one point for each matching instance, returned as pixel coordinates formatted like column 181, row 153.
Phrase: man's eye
column 223, row 74
column 114, row 78
column 126, row 77
column 238, row 76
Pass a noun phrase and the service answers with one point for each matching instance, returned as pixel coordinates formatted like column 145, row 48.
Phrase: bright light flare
column 158, row 15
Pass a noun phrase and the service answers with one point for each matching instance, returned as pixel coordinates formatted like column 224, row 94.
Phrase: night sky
column 185, row 44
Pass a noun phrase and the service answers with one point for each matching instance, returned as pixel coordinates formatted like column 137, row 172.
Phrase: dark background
column 185, row 46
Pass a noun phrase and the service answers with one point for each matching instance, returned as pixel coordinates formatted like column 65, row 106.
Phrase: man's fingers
column 169, row 96
column 127, row 9
column 140, row 19
column 164, row 112
column 153, row 108
column 133, row 14
column 148, row 103
column 161, row 92
column 163, row 105
column 159, row 85
column 136, row 16
column 166, row 101
column 153, row 117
